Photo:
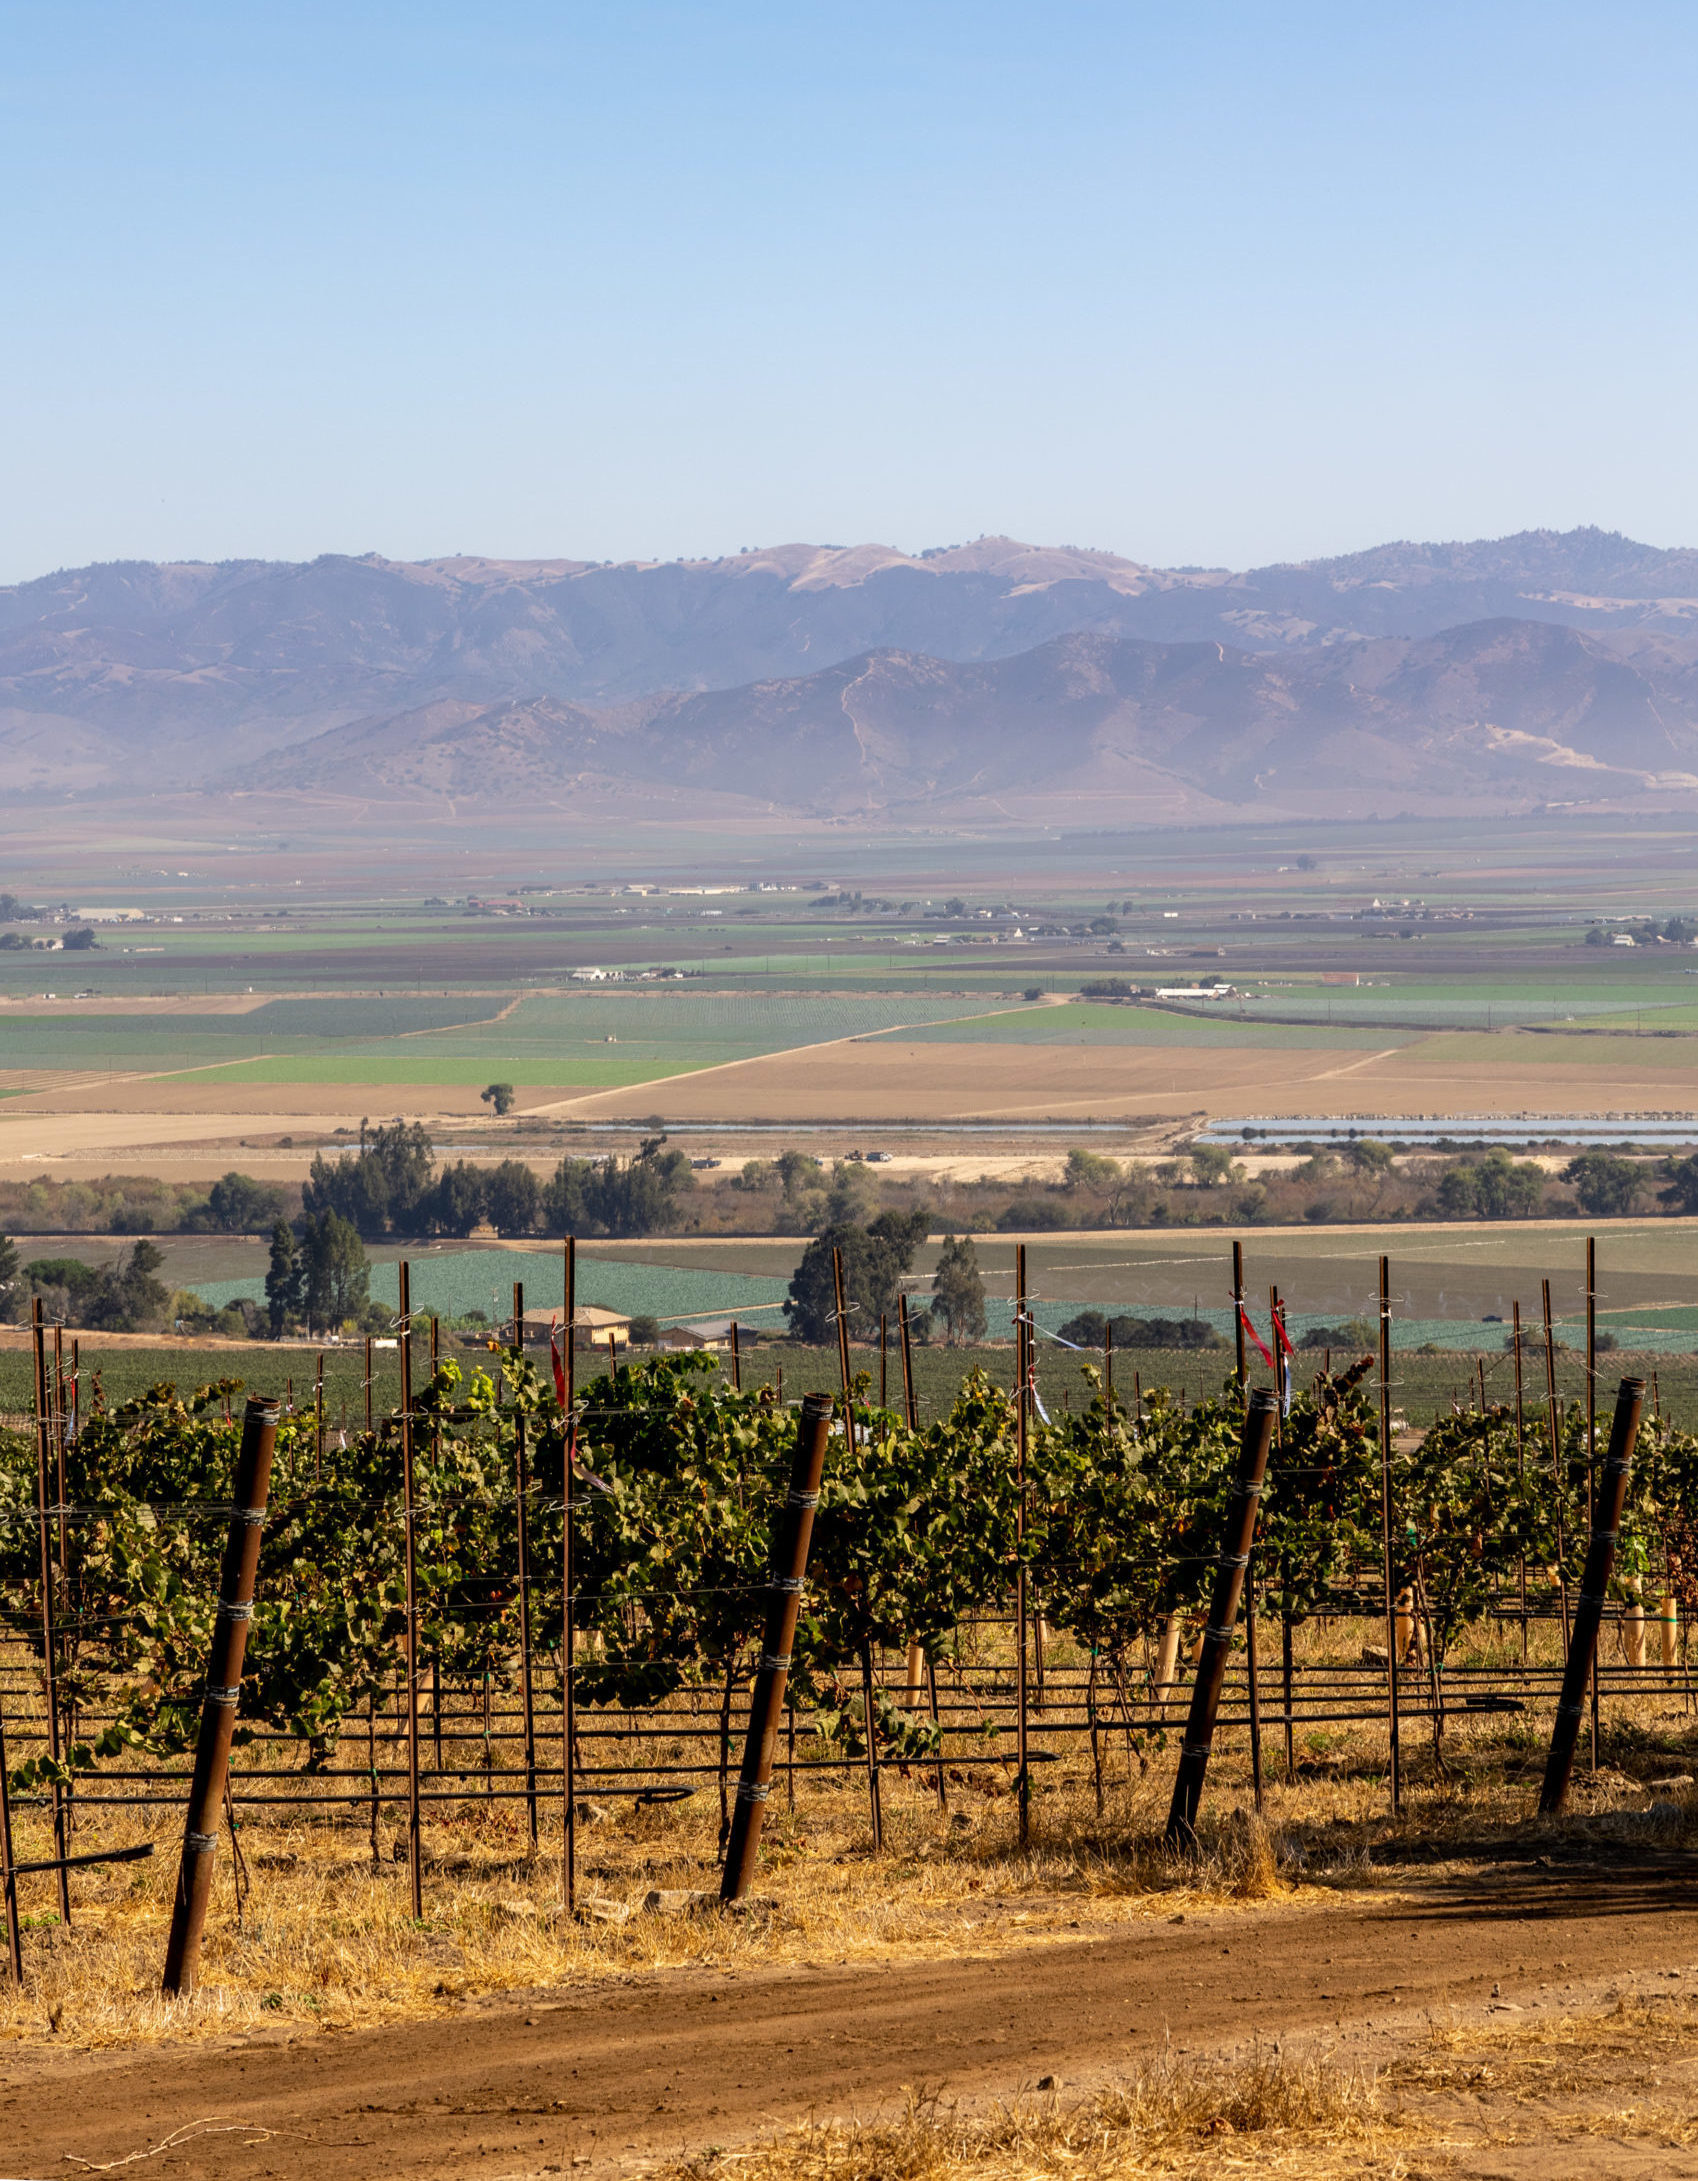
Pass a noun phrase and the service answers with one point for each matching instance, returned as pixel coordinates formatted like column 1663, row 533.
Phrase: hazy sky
column 1198, row 283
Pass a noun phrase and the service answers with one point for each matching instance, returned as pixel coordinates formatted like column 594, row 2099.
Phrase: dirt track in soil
column 616, row 2075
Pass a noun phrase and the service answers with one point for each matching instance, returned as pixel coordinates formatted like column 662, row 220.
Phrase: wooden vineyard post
column 1238, row 1318
column 8, row 1876
column 1592, row 1435
column 883, row 1359
column 1589, row 1607
column 521, row 1491
column 736, row 1361
column 1253, row 1678
column 410, row 1659
column 1108, row 1367
column 908, row 1402
column 318, row 1423
column 1285, row 1662
column 1261, row 1407
column 869, row 1727
column 1520, row 1473
column 1023, row 1782
column 784, row 1602
column 223, row 1691
column 568, row 1718
column 842, row 1332
column 1393, row 1662
column 59, row 1454
column 1556, row 1456
column 49, row 1635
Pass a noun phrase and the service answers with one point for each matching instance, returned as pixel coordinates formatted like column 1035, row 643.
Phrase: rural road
column 621, row 2074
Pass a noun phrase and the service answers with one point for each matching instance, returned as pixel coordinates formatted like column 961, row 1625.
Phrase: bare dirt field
column 190, row 1131
column 894, row 1081
column 673, row 2061
column 190, row 1126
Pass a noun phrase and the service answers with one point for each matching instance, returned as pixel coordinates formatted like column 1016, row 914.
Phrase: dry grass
column 326, row 1934
column 1622, row 2075
column 1273, row 2116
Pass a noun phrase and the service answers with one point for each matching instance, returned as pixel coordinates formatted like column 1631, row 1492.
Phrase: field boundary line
column 750, row 1060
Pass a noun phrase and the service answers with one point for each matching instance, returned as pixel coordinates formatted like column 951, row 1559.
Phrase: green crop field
column 595, row 1039
column 1088, row 1022
column 1581, row 993
column 1421, row 1384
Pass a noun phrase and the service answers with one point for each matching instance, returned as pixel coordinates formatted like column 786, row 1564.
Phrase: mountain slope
column 844, row 679
column 1511, row 713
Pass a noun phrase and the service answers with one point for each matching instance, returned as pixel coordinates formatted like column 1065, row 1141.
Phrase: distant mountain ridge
column 1549, row 666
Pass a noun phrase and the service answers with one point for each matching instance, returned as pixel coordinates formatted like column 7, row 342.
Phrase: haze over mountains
column 989, row 683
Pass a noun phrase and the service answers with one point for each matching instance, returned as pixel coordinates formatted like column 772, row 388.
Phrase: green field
column 595, row 1039
column 1420, row 1384
column 1452, row 1284
column 1093, row 1022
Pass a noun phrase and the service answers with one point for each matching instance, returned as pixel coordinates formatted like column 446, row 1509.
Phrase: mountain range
column 993, row 682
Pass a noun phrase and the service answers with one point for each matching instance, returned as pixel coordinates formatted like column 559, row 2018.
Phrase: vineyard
column 516, row 1625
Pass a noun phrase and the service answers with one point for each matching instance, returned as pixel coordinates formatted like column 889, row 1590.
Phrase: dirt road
column 538, row 2084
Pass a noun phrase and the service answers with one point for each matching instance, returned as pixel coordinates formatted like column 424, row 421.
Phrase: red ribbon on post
column 1262, row 1349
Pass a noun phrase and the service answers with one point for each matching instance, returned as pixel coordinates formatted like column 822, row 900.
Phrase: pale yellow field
column 1451, row 1073
column 185, row 1125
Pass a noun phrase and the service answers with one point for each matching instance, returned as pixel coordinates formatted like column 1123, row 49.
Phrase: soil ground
column 672, row 2062
column 91, row 1121
column 899, row 1081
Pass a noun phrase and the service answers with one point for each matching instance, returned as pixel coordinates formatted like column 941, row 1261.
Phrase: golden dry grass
column 1621, row 2074
column 326, row 1935
column 1272, row 2116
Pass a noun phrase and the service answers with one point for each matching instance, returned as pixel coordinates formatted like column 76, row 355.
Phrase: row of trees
column 391, row 1186
column 125, row 1296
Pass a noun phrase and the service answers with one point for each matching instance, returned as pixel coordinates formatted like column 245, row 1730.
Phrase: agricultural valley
column 558, row 1047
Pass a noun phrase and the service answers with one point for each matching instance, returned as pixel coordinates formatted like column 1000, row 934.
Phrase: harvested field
column 901, row 1079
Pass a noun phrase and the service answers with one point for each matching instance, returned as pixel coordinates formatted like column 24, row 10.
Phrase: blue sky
column 1215, row 283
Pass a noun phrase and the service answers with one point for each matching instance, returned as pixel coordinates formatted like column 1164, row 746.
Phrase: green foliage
column 1607, row 1187
column 382, row 1188
column 958, row 1290
column 678, row 1484
column 335, row 1272
column 456, row 1204
column 282, row 1278
column 1321, row 1507
column 126, row 1296
column 874, row 1259
column 597, row 1197
column 1210, row 1164
column 513, row 1198
column 1125, row 1517
column 1680, row 1192
column 237, row 1204
column 1494, row 1187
